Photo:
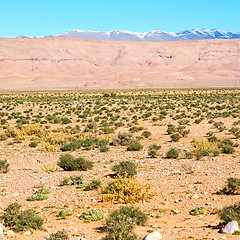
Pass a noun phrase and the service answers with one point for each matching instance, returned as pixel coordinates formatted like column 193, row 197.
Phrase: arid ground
column 56, row 120
column 75, row 64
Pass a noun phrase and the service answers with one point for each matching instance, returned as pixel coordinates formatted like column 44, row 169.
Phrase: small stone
column 230, row 227
column 10, row 233
column 94, row 200
column 195, row 196
column 153, row 236
column 2, row 228
column 27, row 233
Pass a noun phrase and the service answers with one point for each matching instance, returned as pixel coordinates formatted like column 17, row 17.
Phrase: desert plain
column 38, row 127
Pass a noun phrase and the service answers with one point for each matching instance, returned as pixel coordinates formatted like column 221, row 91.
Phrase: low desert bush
column 123, row 139
column 230, row 213
column 175, row 137
column 171, row 129
column 4, row 166
column 135, row 147
column 64, row 213
column 152, row 153
column 70, row 163
column 172, row 153
column 232, row 187
column 39, row 195
column 73, row 180
column 104, row 148
column 33, row 144
column 125, row 168
column 92, row 215
column 198, row 211
column 203, row 147
column 146, row 134
column 94, row 184
column 59, row 235
column 126, row 190
column 21, row 220
column 154, row 147
column 120, row 223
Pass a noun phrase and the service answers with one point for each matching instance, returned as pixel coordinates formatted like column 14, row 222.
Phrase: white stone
column 10, row 233
column 153, row 236
column 230, row 227
column 27, row 233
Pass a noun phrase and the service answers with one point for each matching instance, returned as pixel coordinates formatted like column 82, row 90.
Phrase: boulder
column 230, row 227
column 153, row 236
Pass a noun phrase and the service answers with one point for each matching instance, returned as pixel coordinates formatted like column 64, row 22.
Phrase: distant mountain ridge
column 152, row 36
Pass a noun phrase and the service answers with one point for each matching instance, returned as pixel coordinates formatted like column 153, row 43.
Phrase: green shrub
column 65, row 120
column 154, row 147
column 123, row 139
column 146, row 134
column 4, row 166
column 120, row 223
column 20, row 221
column 232, row 187
column 94, row 184
column 198, row 120
column 104, row 148
column 29, row 219
column 135, row 147
column 59, row 235
column 175, row 137
column 33, row 144
column 227, row 142
column 228, row 149
column 72, row 146
column 171, row 129
column 37, row 198
column 64, row 213
column 77, row 179
column 125, row 168
column 92, row 215
column 70, row 163
column 42, row 191
column 230, row 213
column 188, row 155
column 172, row 153
column 198, row 211
column 152, row 154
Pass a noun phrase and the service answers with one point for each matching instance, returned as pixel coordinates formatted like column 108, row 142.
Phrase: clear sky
column 43, row 17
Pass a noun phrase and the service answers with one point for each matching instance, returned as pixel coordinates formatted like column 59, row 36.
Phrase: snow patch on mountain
column 153, row 36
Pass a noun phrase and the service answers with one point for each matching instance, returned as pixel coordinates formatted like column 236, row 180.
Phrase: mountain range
column 152, row 36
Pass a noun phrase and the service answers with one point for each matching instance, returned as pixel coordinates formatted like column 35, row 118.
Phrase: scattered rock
column 27, row 233
column 10, row 233
column 153, row 236
column 2, row 228
column 230, row 227
column 195, row 196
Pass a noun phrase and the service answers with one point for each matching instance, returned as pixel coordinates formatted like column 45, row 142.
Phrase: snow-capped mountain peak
column 156, row 35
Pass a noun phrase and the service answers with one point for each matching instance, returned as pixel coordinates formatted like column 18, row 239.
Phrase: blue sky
column 43, row 17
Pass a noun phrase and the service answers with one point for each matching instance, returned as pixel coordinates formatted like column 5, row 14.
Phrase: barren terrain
column 75, row 63
column 180, row 184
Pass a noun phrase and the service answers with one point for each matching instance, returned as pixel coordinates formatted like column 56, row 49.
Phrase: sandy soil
column 178, row 191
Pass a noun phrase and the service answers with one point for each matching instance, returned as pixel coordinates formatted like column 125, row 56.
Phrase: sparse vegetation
column 121, row 222
column 70, row 163
column 126, row 190
column 125, row 168
column 92, row 215
column 21, row 220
